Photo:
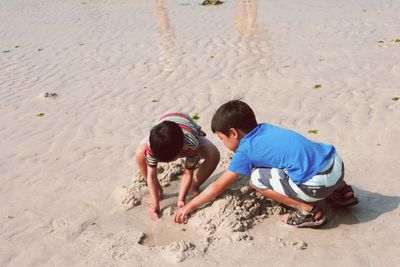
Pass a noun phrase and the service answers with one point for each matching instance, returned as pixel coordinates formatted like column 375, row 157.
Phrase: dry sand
column 81, row 81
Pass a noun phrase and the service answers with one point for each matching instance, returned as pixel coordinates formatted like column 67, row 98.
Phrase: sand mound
column 237, row 210
column 179, row 251
column 227, row 218
column 118, row 249
column 131, row 196
column 168, row 172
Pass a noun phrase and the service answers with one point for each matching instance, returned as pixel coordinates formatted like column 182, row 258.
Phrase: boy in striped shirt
column 172, row 136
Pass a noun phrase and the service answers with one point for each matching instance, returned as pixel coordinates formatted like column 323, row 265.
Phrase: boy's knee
column 252, row 186
column 267, row 192
column 216, row 154
column 212, row 154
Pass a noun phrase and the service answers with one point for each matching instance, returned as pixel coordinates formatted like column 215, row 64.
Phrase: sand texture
column 82, row 81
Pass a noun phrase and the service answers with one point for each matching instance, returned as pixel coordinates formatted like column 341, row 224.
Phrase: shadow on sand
column 371, row 206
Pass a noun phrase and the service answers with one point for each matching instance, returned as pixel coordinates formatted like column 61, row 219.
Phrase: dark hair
column 166, row 141
column 233, row 114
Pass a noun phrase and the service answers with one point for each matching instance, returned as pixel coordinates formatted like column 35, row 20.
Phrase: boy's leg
column 269, row 193
column 275, row 184
column 210, row 154
column 329, row 183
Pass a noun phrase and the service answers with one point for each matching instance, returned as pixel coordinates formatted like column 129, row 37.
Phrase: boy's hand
column 181, row 215
column 180, row 203
column 154, row 214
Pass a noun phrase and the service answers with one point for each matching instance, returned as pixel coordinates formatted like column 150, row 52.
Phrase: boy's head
column 166, row 141
column 234, row 114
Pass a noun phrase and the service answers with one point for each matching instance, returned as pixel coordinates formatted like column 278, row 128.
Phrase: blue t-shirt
column 274, row 147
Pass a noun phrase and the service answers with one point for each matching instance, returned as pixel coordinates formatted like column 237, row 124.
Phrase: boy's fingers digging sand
column 181, row 215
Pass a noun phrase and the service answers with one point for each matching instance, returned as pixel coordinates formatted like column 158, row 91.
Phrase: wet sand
column 327, row 69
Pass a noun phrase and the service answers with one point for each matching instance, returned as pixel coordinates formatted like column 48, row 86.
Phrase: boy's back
column 271, row 146
column 191, row 132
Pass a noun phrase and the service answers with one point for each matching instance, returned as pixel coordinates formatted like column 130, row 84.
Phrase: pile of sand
column 230, row 216
column 236, row 211
column 227, row 217
column 131, row 196
column 179, row 251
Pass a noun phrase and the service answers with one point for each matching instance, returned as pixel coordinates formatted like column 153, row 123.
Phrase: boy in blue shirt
column 283, row 165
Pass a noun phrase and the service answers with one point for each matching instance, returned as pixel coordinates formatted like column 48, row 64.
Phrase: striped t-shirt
column 191, row 132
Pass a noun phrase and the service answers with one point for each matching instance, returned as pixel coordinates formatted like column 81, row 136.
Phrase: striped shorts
column 317, row 188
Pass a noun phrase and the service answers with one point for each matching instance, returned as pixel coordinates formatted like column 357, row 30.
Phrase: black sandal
column 302, row 218
column 338, row 199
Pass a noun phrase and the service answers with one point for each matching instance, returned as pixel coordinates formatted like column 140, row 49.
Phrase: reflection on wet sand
column 246, row 16
column 167, row 36
column 253, row 37
column 250, row 49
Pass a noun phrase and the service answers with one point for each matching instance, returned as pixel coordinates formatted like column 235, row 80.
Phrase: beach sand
column 81, row 82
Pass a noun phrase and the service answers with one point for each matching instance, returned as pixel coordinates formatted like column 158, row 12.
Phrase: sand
column 81, row 82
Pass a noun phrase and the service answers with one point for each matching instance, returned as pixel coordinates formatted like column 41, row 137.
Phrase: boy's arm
column 185, row 186
column 153, row 185
column 211, row 192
